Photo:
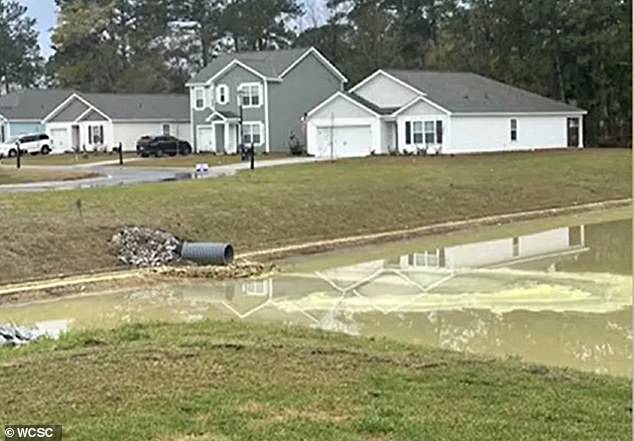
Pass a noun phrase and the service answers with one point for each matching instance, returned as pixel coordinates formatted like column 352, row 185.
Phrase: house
column 441, row 112
column 103, row 121
column 266, row 93
column 23, row 111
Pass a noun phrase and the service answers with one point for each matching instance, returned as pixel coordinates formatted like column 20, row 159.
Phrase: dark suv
column 162, row 145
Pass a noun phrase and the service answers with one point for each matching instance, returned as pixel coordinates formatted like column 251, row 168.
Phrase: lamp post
column 18, row 158
column 240, row 125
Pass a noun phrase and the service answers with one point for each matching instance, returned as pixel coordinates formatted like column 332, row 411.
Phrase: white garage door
column 345, row 141
column 60, row 139
column 205, row 139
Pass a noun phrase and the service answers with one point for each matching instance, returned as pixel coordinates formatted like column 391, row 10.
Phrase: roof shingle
column 471, row 93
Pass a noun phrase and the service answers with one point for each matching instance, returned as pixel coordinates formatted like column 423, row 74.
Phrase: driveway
column 114, row 175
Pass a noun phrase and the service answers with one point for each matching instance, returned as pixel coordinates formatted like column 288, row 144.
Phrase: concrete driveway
column 114, row 175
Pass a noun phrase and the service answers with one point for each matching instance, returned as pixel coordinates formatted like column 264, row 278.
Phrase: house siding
column 14, row 128
column 303, row 88
column 385, row 92
column 470, row 134
column 71, row 112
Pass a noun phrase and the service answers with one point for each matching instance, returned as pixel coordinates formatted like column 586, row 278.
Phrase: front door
column 219, row 130
column 573, row 132
column 75, row 137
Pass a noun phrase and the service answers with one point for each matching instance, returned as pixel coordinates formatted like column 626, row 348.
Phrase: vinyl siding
column 303, row 88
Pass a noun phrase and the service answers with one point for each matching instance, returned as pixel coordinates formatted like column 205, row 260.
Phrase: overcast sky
column 44, row 12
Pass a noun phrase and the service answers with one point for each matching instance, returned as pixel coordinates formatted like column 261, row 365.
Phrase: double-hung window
column 95, row 135
column 423, row 132
column 199, row 98
column 514, row 130
column 252, row 133
column 250, row 94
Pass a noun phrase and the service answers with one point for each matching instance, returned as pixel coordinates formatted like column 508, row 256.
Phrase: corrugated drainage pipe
column 208, row 253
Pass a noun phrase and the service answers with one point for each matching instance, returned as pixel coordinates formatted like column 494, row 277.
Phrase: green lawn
column 25, row 175
column 68, row 158
column 46, row 233
column 191, row 160
column 214, row 381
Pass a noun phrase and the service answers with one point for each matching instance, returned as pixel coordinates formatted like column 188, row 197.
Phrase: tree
column 20, row 60
column 260, row 24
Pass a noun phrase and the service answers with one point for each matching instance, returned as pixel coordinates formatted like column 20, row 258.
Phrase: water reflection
column 559, row 297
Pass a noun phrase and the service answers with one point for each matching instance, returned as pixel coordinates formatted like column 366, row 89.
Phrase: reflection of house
column 499, row 252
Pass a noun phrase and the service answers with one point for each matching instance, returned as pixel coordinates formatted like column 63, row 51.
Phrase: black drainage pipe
column 207, row 253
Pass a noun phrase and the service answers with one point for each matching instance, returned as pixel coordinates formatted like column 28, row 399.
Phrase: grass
column 213, row 381
column 55, row 232
column 192, row 160
column 25, row 176
column 67, row 159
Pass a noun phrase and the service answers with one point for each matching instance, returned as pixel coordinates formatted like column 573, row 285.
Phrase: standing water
column 561, row 296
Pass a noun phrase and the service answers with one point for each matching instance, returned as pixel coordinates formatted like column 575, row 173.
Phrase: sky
column 44, row 12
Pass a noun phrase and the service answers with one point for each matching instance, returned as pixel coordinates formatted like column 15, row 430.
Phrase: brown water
column 558, row 296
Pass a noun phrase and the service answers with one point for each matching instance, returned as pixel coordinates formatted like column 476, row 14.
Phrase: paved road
column 113, row 176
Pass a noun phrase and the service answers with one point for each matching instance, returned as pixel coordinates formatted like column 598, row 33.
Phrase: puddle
column 561, row 296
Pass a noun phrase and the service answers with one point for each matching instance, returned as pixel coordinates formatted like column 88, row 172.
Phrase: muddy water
column 558, row 293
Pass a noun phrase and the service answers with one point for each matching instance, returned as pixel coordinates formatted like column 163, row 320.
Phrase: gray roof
column 270, row 64
column 472, row 93
column 370, row 105
column 31, row 104
column 141, row 107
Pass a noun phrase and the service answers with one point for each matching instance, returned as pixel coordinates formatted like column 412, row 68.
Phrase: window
column 199, row 98
column 513, row 130
column 439, row 132
column 250, row 94
column 44, row 138
column 418, row 132
column 423, row 132
column 222, row 94
column 252, row 133
column 95, row 135
column 167, row 129
column 2, row 133
column 430, row 132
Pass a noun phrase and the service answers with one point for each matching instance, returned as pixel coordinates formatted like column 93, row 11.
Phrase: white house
column 103, row 121
column 443, row 112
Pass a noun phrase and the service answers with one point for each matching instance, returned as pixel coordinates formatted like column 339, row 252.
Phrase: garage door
column 60, row 139
column 345, row 141
column 205, row 139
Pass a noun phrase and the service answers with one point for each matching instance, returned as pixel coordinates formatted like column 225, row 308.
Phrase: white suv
column 29, row 143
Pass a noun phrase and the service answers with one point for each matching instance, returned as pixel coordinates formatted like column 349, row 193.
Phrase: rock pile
column 17, row 336
column 144, row 247
column 240, row 269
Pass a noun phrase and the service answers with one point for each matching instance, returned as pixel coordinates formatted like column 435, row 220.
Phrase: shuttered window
column 408, row 133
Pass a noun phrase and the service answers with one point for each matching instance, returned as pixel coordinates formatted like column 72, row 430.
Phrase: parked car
column 162, row 145
column 29, row 143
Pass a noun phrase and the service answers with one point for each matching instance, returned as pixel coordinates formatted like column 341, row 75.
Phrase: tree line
column 578, row 51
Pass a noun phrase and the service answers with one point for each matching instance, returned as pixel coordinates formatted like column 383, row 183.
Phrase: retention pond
column 557, row 292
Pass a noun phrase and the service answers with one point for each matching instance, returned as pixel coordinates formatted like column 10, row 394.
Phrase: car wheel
column 145, row 155
column 186, row 151
column 13, row 153
column 158, row 154
column 45, row 150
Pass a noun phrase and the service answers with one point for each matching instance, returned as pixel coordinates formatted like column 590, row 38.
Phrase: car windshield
column 13, row 140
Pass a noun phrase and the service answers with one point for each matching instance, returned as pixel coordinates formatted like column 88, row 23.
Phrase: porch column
column 227, row 138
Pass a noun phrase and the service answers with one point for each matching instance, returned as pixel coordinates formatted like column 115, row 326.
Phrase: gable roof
column 370, row 105
column 141, row 106
column 127, row 107
column 271, row 65
column 464, row 92
column 31, row 104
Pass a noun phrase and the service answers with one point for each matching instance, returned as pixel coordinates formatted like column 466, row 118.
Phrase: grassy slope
column 67, row 159
column 23, row 176
column 233, row 381
column 295, row 204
